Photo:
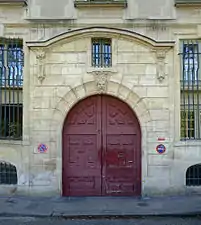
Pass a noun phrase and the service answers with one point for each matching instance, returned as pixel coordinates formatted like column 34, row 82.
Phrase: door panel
column 101, row 149
column 83, row 171
column 120, row 170
column 81, row 142
column 120, row 132
column 118, row 117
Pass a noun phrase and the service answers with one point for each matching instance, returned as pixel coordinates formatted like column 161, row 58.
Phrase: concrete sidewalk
column 99, row 206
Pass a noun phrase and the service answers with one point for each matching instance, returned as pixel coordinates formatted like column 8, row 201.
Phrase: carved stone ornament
column 101, row 79
column 160, row 56
column 40, row 56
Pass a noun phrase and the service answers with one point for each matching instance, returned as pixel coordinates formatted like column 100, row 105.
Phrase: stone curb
column 101, row 215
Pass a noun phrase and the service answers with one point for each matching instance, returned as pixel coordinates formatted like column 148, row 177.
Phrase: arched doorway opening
column 101, row 149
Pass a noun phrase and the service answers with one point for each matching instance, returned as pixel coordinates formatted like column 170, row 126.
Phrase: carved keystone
column 101, row 79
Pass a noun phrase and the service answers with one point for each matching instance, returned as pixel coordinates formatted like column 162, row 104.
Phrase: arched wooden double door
column 101, row 149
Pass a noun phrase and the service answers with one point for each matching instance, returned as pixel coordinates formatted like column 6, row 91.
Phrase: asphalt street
column 140, row 221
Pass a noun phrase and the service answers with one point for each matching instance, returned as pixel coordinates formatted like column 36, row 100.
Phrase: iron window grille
column 11, row 84
column 193, row 175
column 8, row 173
column 101, row 52
column 190, row 91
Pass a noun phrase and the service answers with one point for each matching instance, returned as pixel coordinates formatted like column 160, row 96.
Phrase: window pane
column 2, row 66
column 11, row 72
column 190, row 91
column 193, row 175
column 15, row 65
column 101, row 53
column 190, row 62
column 11, row 121
column 8, row 173
column 187, row 125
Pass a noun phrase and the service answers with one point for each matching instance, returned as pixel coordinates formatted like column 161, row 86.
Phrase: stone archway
column 101, row 149
column 73, row 96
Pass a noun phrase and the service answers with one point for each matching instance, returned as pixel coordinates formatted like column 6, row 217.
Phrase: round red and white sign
column 42, row 148
column 161, row 148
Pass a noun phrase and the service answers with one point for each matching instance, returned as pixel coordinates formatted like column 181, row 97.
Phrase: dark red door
column 101, row 149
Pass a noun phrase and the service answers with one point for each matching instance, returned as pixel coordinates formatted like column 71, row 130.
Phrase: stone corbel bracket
column 160, row 61
column 101, row 79
column 40, row 57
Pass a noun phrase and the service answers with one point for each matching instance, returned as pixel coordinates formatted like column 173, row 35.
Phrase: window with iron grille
column 8, row 173
column 193, row 175
column 190, row 91
column 101, row 52
column 11, row 83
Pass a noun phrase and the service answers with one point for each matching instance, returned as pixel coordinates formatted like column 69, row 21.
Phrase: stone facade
column 57, row 74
